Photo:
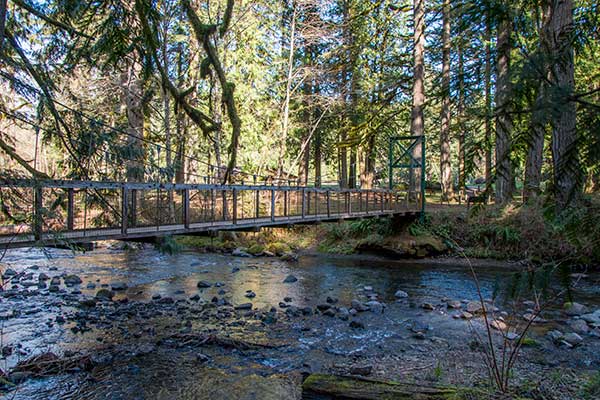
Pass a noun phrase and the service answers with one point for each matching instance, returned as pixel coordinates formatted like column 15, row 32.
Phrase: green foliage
column 591, row 388
column 168, row 245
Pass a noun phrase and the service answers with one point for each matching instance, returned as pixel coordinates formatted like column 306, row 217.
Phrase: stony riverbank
column 267, row 323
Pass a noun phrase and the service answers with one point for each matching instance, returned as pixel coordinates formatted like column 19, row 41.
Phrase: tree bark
column 504, row 124
column 132, row 84
column 488, row 101
column 417, row 127
column 533, row 163
column 568, row 180
column 288, row 92
column 445, row 156
column 461, row 124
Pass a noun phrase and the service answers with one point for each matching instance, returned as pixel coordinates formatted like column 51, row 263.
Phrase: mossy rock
column 278, row 248
column 256, row 249
column 332, row 386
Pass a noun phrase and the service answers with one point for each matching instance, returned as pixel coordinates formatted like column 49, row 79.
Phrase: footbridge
column 61, row 212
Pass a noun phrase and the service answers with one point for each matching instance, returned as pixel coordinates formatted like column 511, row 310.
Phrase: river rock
column 427, row 306
column 203, row 284
column 579, row 326
column 592, row 318
column 575, row 308
column 357, row 325
column 88, row 303
column 573, row 339
column 235, row 269
column 55, row 281
column 118, row 286
column 250, row 294
column 239, row 252
column 105, row 294
column 43, row 277
column 344, row 314
column 358, row 306
column 499, row 325
column 555, row 335
column 91, row 285
column 72, row 280
column 375, row 307
column 293, row 311
column 290, row 279
column 454, row 304
column 289, row 257
column 244, row 306
column 401, row 294
column 195, row 297
column 474, row 307
column 323, row 307
column 330, row 312
column 9, row 272
column 466, row 315
column 53, row 288
column 288, row 299
column 368, row 288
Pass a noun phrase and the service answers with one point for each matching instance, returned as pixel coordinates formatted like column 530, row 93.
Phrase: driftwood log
column 329, row 387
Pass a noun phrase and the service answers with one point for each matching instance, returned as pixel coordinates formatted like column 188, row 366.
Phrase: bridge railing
column 38, row 208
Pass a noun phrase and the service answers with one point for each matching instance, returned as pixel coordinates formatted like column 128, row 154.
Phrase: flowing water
column 133, row 360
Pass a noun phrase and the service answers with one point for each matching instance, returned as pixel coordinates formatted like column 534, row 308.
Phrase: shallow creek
column 142, row 348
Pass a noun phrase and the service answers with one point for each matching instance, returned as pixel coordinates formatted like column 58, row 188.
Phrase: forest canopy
column 304, row 92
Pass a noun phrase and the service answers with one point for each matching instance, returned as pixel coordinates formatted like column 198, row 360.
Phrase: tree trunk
column 488, row 101
column 306, row 135
column 567, row 170
column 417, row 127
column 321, row 386
column 504, row 124
column 533, row 163
column 461, row 124
column 445, row 156
column 132, row 83
column 288, row 92
column 368, row 176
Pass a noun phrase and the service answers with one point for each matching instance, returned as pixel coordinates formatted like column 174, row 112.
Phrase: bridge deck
column 60, row 212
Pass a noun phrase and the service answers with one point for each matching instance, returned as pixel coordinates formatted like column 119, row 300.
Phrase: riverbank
column 515, row 233
column 238, row 327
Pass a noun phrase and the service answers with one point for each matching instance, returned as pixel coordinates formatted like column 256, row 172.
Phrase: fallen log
column 330, row 387
column 222, row 341
column 46, row 364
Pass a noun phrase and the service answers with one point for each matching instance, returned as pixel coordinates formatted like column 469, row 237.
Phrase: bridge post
column 367, row 203
column 213, row 202
column 272, row 204
column 186, row 208
column 382, row 197
column 285, row 203
column 133, row 214
column 124, row 204
column 234, row 217
column 349, row 202
column 328, row 204
column 303, row 203
column 224, row 197
column 359, row 202
column 257, row 202
column 70, row 209
column 37, row 213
